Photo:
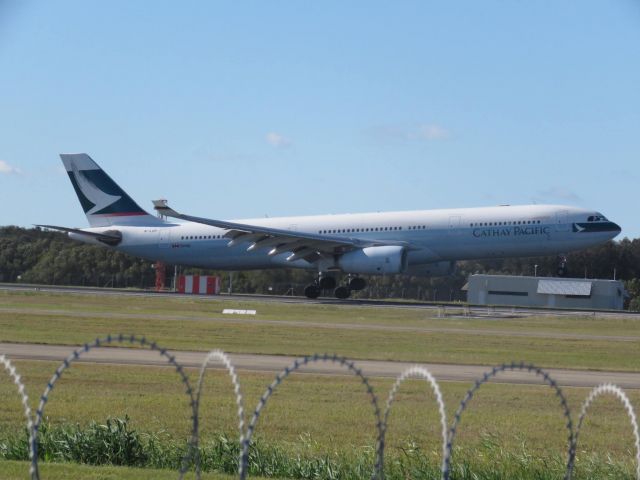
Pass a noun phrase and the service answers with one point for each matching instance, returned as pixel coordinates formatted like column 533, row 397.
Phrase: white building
column 545, row 292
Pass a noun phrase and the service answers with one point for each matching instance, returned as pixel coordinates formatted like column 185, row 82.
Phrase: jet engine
column 435, row 269
column 374, row 260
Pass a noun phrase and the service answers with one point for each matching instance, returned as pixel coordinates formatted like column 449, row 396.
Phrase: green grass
column 115, row 443
column 317, row 412
column 12, row 470
column 509, row 430
column 522, row 468
column 211, row 308
column 294, row 329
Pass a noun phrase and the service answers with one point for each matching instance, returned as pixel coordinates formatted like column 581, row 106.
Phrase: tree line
column 51, row 258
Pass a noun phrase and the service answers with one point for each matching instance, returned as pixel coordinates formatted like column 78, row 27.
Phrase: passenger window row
column 342, row 230
column 370, row 229
column 503, row 224
column 386, row 229
column 200, row 237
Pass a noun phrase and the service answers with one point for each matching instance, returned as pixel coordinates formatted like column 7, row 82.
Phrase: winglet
column 162, row 207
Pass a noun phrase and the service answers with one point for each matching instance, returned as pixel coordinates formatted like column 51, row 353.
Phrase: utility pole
column 175, row 278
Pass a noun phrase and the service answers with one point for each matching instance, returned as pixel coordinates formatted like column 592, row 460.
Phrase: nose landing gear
column 562, row 269
column 312, row 291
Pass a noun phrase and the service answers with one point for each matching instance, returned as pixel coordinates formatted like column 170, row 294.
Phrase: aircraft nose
column 616, row 228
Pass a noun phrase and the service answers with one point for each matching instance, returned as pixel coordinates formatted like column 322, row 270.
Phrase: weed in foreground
column 114, row 442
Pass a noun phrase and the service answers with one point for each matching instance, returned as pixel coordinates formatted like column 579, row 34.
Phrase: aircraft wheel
column 357, row 283
column 327, row 283
column 342, row 292
column 312, row 291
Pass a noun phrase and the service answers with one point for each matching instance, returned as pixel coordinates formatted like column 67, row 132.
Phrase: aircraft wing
column 302, row 245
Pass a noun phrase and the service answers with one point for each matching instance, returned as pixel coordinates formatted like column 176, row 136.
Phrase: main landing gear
column 327, row 282
column 312, row 291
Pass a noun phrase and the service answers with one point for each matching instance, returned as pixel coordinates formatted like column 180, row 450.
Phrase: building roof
column 565, row 287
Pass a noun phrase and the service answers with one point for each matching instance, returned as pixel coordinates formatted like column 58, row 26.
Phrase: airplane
column 420, row 243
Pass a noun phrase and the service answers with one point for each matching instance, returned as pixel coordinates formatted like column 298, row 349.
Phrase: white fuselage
column 430, row 235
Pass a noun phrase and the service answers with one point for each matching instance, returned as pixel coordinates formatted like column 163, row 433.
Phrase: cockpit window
column 597, row 218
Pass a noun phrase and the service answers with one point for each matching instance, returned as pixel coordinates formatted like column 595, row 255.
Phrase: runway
column 276, row 363
column 332, row 326
column 474, row 310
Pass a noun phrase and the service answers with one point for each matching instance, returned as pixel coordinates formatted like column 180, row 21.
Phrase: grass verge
column 19, row 470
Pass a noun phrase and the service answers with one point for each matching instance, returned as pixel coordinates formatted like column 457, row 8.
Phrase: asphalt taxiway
column 277, row 363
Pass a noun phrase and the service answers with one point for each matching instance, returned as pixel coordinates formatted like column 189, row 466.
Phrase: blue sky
column 246, row 109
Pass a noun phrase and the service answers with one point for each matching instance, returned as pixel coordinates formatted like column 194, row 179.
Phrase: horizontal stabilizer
column 111, row 237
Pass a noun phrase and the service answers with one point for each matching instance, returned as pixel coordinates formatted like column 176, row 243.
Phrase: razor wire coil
column 283, row 375
column 80, row 352
column 617, row 392
column 24, row 399
column 221, row 357
column 446, row 467
column 421, row 373
column 246, row 431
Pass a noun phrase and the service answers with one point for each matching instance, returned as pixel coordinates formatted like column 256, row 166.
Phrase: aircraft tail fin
column 103, row 201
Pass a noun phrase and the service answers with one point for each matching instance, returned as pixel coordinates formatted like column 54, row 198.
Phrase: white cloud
column 7, row 169
column 421, row 132
column 277, row 140
column 429, row 132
